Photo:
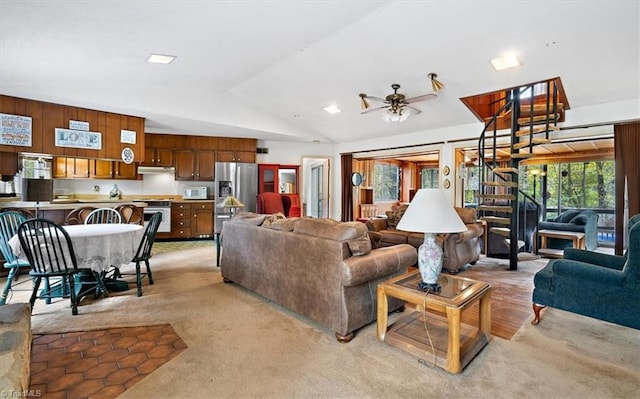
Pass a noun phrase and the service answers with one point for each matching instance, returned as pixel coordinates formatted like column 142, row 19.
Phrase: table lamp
column 37, row 190
column 430, row 213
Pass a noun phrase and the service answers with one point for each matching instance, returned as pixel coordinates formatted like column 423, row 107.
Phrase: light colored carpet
column 241, row 346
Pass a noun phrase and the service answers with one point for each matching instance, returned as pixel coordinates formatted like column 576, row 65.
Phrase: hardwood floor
column 510, row 293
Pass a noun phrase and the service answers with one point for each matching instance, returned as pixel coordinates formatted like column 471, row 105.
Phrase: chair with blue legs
column 9, row 222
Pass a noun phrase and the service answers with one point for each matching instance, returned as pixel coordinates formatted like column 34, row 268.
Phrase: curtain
column 346, row 161
column 627, row 148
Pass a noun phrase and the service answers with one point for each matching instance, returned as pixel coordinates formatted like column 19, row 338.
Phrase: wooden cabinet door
column 125, row 171
column 149, row 157
column 202, row 225
column 246, row 156
column 205, row 165
column 101, row 169
column 8, row 163
column 185, row 165
column 164, row 157
column 59, row 167
column 225, row 156
column 80, row 167
column 268, row 178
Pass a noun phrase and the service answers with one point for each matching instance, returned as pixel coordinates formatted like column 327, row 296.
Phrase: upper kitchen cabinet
column 8, row 163
column 158, row 157
column 70, row 168
column 104, row 135
column 196, row 165
column 236, row 156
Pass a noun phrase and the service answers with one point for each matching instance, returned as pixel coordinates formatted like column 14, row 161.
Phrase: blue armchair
column 593, row 284
column 573, row 220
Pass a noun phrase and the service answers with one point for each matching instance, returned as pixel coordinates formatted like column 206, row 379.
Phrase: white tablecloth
column 99, row 246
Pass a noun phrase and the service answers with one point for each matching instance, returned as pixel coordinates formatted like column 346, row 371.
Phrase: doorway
column 315, row 181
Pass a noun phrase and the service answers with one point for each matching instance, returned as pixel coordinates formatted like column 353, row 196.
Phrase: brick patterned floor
column 99, row 364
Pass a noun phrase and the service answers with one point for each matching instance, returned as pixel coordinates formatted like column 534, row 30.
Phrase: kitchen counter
column 68, row 204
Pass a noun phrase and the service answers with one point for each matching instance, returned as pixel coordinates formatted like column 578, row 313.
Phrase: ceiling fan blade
column 373, row 109
column 414, row 109
column 382, row 100
column 419, row 98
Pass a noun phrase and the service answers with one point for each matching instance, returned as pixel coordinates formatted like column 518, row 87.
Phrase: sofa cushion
column 331, row 229
column 394, row 216
column 249, row 218
column 375, row 238
column 468, row 215
column 281, row 224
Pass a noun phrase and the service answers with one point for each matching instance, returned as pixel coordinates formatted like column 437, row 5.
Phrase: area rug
column 242, row 346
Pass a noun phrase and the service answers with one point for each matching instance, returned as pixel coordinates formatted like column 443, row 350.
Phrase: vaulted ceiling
column 266, row 69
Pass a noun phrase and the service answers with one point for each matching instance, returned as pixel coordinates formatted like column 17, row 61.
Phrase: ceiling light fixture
column 332, row 109
column 435, row 83
column 505, row 62
column 397, row 106
column 161, row 59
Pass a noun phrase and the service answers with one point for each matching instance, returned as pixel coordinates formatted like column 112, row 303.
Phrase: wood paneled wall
column 46, row 117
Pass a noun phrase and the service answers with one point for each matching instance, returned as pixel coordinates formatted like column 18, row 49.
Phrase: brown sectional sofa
column 458, row 249
column 320, row 268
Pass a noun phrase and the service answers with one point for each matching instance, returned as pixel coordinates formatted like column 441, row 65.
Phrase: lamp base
column 429, row 287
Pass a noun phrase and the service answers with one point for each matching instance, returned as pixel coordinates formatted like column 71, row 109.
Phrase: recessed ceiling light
column 505, row 62
column 161, row 59
column 332, row 109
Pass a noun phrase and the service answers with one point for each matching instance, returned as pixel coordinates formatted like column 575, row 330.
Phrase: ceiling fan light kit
column 397, row 108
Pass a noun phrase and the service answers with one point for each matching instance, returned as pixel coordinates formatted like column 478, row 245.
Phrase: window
column 471, row 175
column 386, row 182
column 429, row 177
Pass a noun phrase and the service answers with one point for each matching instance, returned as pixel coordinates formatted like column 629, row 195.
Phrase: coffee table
column 454, row 344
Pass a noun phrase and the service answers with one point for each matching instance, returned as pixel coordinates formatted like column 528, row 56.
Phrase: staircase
column 530, row 112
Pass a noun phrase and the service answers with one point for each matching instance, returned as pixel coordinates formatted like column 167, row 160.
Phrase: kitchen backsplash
column 160, row 184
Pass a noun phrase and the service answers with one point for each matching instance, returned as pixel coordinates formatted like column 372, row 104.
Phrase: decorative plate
column 446, row 170
column 446, row 183
column 127, row 155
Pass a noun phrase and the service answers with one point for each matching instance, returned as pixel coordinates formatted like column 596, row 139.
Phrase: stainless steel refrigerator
column 239, row 180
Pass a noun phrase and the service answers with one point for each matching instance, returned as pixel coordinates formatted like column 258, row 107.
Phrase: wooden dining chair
column 50, row 253
column 143, row 254
column 131, row 214
column 9, row 222
column 78, row 215
column 103, row 216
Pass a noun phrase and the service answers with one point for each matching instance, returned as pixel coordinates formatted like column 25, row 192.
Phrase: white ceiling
column 266, row 69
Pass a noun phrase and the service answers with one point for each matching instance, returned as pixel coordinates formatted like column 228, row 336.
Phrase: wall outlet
column 96, row 189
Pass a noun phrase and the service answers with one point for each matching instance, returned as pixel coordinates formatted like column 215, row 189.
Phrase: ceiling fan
column 397, row 108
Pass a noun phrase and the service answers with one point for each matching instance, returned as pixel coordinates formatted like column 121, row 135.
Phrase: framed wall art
column 78, row 139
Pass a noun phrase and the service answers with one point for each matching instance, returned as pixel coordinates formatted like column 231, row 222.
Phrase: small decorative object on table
column 429, row 212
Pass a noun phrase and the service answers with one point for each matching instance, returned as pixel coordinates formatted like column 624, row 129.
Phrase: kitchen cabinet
column 191, row 219
column 8, row 163
column 196, row 165
column 75, row 168
column 158, row 157
column 181, row 216
column 101, row 169
column 202, row 224
column 236, row 156
column 71, row 168
column 125, row 171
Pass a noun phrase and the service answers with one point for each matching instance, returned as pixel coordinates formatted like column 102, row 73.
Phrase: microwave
column 193, row 193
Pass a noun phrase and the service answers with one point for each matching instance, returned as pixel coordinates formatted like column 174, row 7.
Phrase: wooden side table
column 454, row 344
column 577, row 238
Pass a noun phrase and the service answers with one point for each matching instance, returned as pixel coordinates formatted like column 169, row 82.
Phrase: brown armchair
column 458, row 248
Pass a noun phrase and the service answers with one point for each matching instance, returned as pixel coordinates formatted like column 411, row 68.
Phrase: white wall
column 281, row 152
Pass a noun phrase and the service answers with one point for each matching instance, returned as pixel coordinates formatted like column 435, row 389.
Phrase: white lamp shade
column 431, row 212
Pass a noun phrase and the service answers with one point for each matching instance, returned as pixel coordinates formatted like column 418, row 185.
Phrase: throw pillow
column 375, row 238
column 394, row 216
column 360, row 246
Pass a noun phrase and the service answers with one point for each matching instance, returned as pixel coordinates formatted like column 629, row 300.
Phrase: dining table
column 98, row 247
